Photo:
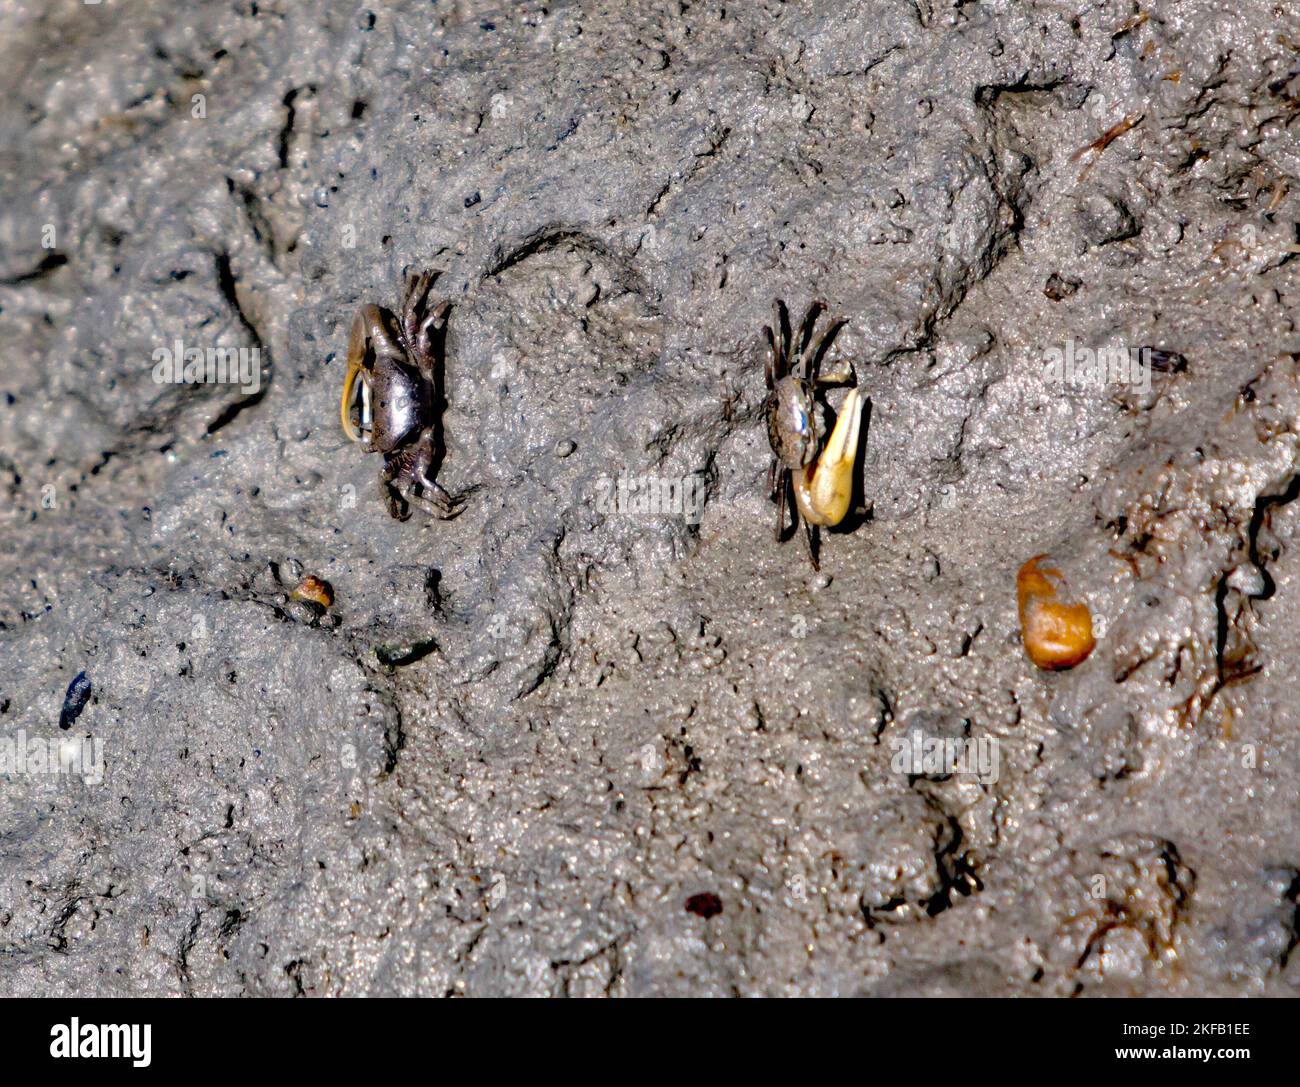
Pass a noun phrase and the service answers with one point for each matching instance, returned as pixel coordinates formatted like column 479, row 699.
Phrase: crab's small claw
column 824, row 488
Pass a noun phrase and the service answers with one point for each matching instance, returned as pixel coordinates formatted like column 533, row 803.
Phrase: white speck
column 502, row 367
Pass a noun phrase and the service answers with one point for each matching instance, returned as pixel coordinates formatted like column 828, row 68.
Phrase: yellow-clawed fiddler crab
column 821, row 477
column 395, row 362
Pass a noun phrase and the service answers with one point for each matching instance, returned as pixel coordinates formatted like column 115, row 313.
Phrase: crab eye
column 801, row 420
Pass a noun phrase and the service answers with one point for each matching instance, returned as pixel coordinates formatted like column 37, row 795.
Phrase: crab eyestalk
column 824, row 489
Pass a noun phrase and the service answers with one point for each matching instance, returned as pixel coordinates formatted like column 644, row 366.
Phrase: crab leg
column 824, row 489
column 782, row 331
column 778, row 493
column 806, row 332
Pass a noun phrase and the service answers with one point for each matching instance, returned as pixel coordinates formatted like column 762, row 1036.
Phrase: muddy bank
column 520, row 742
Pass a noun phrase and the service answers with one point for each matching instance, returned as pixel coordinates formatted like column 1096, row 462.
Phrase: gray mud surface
column 521, row 740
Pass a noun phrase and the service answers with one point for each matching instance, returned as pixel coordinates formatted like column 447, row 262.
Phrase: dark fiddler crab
column 395, row 363
column 821, row 477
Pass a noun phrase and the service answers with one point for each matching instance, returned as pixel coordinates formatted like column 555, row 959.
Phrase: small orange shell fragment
column 1055, row 625
column 314, row 590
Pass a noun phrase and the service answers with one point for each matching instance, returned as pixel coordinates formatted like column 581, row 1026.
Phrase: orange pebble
column 314, row 590
column 1055, row 625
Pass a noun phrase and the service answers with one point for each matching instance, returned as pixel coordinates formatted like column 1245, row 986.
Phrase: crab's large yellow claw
column 345, row 407
column 358, row 344
column 824, row 489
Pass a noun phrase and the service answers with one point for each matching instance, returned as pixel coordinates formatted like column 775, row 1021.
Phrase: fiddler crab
column 821, row 477
column 395, row 364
